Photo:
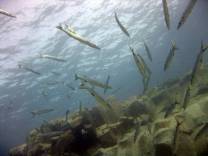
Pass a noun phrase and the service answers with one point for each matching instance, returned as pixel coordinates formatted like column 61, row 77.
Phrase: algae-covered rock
column 135, row 127
column 185, row 145
column 19, row 150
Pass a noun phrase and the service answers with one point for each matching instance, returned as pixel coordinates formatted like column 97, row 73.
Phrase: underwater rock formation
column 141, row 126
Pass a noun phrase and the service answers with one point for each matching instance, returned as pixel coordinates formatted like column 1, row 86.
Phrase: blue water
column 34, row 32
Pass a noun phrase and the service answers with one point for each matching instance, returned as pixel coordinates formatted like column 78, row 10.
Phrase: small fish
column 186, row 97
column 56, row 73
column 107, row 83
column 120, row 25
column 6, row 13
column 29, row 69
column 40, row 112
column 169, row 108
column 170, row 55
column 52, row 82
column 197, row 63
column 52, row 58
column 144, row 65
column 116, row 90
column 97, row 97
column 92, row 81
column 186, row 13
column 69, row 31
column 138, row 62
column 49, row 135
column 166, row 13
column 145, row 83
column 70, row 86
column 148, row 51
column 67, row 115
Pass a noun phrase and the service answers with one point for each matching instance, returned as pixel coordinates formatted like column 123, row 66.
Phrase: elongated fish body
column 50, row 134
column 138, row 63
column 29, row 69
column 76, row 36
column 52, row 58
column 6, row 13
column 170, row 56
column 145, row 83
column 197, row 64
column 186, row 97
column 97, row 97
column 186, row 13
column 42, row 111
column 107, row 83
column 148, row 51
column 67, row 115
column 121, row 26
column 166, row 13
column 145, row 65
column 92, row 82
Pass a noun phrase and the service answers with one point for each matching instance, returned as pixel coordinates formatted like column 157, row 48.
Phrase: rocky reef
column 153, row 124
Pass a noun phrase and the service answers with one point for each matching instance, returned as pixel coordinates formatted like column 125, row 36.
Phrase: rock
column 136, row 108
column 19, row 150
column 163, row 150
column 185, row 145
column 106, row 136
column 145, row 142
column 39, row 149
column 164, row 135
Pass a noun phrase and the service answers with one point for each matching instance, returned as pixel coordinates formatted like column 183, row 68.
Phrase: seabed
column 153, row 124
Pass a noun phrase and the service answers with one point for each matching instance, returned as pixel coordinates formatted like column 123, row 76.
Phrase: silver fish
column 166, row 13
column 170, row 55
column 69, row 31
column 67, row 115
column 186, row 13
column 49, row 135
column 107, row 83
column 28, row 69
column 138, row 62
column 197, row 63
column 41, row 111
column 6, row 13
column 145, row 84
column 120, row 25
column 92, row 82
column 147, row 69
column 97, row 97
column 186, row 97
column 52, row 58
column 148, row 51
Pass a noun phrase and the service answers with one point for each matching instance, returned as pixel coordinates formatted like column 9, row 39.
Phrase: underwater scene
column 104, row 78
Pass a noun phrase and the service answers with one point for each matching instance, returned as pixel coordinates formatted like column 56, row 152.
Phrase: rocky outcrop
column 140, row 126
